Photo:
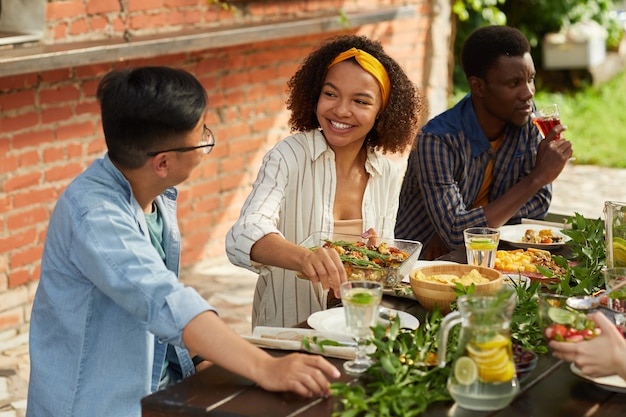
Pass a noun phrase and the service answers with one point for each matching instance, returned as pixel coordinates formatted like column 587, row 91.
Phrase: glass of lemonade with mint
column 360, row 300
column 481, row 244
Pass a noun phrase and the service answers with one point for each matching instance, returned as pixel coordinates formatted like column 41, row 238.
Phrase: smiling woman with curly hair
column 397, row 123
column 350, row 103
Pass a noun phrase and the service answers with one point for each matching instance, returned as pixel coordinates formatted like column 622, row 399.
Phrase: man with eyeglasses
column 111, row 323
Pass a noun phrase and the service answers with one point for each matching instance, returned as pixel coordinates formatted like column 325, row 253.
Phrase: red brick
column 58, row 31
column 208, row 188
column 17, row 239
column 12, row 101
column 207, row 205
column 55, row 154
column 103, row 6
column 32, row 139
column 233, row 80
column 58, row 94
column 24, row 257
column 75, row 131
column 66, row 172
column 79, row 27
column 232, row 164
column 60, row 10
column 22, row 181
column 9, row 164
column 19, row 122
column 55, row 76
column 11, row 318
column 29, row 159
column 15, row 82
column 231, row 182
column 56, row 114
column 139, row 22
column 34, row 197
column 24, row 218
column 179, row 3
column 98, row 23
column 97, row 146
column 19, row 277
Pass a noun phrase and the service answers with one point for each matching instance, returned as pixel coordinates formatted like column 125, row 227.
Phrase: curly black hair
column 485, row 45
column 396, row 126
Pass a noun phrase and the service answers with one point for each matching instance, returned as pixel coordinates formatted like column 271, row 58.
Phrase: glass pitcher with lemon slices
column 615, row 227
column 483, row 374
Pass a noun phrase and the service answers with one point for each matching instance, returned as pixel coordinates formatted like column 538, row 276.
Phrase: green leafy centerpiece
column 405, row 380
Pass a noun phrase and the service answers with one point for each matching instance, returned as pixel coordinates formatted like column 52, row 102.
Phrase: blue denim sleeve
column 110, row 250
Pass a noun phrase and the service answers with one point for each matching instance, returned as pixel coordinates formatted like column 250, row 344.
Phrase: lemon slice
column 465, row 370
column 501, row 374
column 497, row 342
column 476, row 353
column 499, row 357
column 561, row 316
column 482, row 244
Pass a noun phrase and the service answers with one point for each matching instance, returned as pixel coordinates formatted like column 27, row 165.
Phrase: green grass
column 595, row 118
column 596, row 121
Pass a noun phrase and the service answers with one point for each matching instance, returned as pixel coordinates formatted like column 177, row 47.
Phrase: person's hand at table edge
column 601, row 356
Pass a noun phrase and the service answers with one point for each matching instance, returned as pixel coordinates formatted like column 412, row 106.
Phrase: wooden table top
column 550, row 390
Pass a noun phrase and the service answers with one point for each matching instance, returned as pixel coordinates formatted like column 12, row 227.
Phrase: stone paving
column 579, row 189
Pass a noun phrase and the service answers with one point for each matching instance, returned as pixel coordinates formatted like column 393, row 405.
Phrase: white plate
column 513, row 233
column 610, row 383
column 516, row 280
column 333, row 320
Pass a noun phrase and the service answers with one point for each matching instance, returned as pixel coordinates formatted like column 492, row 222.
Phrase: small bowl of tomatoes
column 562, row 323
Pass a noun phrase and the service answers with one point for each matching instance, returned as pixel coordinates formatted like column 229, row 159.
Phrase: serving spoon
column 587, row 302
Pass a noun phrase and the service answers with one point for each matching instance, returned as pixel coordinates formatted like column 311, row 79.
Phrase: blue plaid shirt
column 446, row 169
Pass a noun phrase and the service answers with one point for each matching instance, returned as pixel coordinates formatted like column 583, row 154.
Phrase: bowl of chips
column 434, row 285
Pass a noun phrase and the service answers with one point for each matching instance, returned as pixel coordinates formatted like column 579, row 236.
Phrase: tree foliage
column 535, row 18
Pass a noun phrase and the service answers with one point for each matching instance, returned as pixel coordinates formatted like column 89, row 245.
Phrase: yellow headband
column 370, row 64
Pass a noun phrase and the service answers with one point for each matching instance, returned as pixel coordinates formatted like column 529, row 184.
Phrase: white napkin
column 292, row 339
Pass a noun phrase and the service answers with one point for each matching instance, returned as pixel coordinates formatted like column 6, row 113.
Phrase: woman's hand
column 603, row 355
column 324, row 266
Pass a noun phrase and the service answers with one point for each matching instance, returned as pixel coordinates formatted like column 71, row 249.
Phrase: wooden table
column 550, row 390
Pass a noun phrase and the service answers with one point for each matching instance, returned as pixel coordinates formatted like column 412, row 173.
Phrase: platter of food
column 533, row 236
column 386, row 261
column 526, row 262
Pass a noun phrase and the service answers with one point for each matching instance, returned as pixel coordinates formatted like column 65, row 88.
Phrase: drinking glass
column 546, row 118
column 360, row 301
column 616, row 301
column 481, row 244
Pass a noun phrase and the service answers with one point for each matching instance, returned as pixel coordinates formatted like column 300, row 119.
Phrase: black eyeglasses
column 207, row 144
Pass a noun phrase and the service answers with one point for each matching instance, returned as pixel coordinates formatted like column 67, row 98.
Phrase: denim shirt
column 107, row 306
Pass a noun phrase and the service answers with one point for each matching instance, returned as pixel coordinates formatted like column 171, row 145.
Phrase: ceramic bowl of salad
column 382, row 260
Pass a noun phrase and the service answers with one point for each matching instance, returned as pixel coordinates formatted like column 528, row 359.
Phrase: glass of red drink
column 546, row 118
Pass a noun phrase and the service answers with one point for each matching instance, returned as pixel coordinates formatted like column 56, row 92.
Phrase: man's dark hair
column 484, row 46
column 147, row 109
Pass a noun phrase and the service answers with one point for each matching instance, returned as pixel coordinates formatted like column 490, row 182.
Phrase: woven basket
column 430, row 293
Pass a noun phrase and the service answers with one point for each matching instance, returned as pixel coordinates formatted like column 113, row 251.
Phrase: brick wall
column 50, row 129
